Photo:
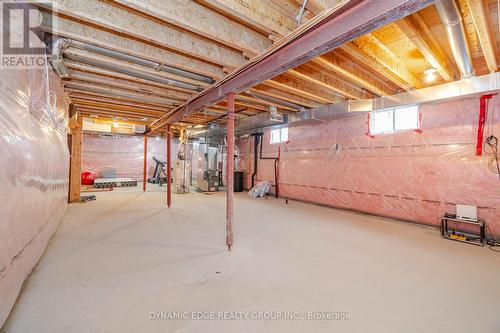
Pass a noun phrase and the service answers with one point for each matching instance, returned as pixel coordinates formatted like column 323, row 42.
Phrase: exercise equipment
column 160, row 173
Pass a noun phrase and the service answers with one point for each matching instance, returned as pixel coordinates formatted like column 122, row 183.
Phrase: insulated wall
column 407, row 175
column 34, row 163
column 123, row 153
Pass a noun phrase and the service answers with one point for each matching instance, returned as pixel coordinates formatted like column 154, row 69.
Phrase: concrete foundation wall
column 407, row 175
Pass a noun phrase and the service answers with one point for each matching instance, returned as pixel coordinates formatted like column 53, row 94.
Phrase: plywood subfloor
column 114, row 261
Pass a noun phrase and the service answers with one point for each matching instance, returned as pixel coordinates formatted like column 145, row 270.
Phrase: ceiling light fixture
column 430, row 74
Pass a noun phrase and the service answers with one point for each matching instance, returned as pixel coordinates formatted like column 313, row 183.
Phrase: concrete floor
column 114, row 261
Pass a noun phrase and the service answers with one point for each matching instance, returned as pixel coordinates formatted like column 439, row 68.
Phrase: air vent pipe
column 451, row 17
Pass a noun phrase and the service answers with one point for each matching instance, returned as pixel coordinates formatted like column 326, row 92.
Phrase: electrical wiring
column 492, row 142
column 492, row 242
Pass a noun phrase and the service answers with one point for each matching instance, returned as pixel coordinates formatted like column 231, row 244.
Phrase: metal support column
column 169, row 166
column 144, row 177
column 230, row 170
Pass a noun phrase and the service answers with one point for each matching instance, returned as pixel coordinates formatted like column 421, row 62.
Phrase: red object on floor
column 87, row 178
column 483, row 106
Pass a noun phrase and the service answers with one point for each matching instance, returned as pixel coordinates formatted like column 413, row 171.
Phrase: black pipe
column 255, row 146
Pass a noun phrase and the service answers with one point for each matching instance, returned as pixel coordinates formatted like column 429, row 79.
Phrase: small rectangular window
column 279, row 135
column 382, row 122
column 393, row 120
column 406, row 118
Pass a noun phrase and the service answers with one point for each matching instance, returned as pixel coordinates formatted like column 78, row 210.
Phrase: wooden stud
column 75, row 185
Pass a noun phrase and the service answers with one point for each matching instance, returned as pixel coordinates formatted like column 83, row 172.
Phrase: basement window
column 279, row 135
column 394, row 120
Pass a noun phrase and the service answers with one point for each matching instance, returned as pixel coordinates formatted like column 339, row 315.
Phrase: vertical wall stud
column 75, row 180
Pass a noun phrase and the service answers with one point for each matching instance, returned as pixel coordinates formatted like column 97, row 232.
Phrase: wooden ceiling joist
column 351, row 71
column 97, row 13
column 116, row 107
column 372, row 53
column 318, row 36
column 107, row 119
column 117, row 101
column 82, row 90
column 487, row 40
column 124, row 94
column 88, row 34
column 77, row 67
column 418, row 32
column 127, row 68
column 132, row 86
column 255, row 13
column 284, row 95
column 309, row 73
column 97, row 110
column 247, row 97
column 113, row 113
column 201, row 21
column 303, row 89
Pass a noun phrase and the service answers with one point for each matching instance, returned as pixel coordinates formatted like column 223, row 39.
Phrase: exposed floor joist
column 478, row 13
column 97, row 13
column 419, row 33
column 255, row 13
column 201, row 21
column 88, row 34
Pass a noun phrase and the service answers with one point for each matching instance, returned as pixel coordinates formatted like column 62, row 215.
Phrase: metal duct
column 132, row 72
column 468, row 87
column 140, row 61
column 57, row 48
column 451, row 17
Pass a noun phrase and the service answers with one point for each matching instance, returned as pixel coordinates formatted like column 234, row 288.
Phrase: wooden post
column 144, row 177
column 75, row 170
column 169, row 167
column 230, row 171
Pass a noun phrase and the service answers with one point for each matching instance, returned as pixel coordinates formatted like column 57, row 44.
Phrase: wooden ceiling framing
column 214, row 37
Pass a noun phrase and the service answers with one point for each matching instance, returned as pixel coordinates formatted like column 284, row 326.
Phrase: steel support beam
column 144, row 177
column 230, row 170
column 169, row 166
column 348, row 21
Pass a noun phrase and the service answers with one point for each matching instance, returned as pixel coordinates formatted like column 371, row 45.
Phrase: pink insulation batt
column 407, row 175
column 125, row 154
